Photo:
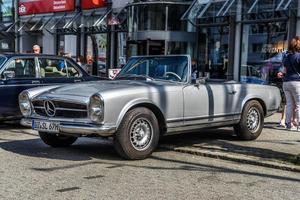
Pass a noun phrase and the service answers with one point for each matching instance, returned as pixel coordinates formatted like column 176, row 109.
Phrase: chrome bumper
column 78, row 129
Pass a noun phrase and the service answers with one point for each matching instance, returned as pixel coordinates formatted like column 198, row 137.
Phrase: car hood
column 87, row 89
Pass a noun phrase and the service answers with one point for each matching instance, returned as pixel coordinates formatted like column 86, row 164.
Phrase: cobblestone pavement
column 91, row 169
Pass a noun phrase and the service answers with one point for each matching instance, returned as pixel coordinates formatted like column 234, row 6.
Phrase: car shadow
column 224, row 140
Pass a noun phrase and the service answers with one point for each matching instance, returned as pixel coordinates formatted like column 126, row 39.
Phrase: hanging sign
column 29, row 7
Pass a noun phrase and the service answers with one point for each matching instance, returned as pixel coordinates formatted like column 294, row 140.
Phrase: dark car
column 22, row 71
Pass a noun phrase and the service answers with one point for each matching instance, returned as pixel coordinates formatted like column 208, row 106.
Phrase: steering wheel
column 173, row 74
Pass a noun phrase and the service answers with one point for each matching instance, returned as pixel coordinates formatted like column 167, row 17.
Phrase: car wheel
column 137, row 135
column 252, row 121
column 57, row 140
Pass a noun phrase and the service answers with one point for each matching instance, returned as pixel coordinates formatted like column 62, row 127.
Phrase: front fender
column 132, row 104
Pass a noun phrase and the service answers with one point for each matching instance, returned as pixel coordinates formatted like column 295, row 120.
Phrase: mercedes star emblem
column 50, row 108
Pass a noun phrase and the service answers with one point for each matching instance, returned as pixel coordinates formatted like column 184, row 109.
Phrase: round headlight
column 96, row 108
column 24, row 104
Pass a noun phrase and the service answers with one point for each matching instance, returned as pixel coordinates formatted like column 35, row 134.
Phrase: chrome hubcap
column 253, row 120
column 141, row 133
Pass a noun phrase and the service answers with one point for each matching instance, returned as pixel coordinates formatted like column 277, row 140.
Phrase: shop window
column 213, row 51
column 148, row 17
column 262, row 52
column 96, row 49
column 6, row 10
column 67, row 45
column 175, row 13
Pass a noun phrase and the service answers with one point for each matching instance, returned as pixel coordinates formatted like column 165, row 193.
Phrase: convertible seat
column 53, row 72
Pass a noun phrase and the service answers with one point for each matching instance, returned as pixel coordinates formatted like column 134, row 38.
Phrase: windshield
column 174, row 68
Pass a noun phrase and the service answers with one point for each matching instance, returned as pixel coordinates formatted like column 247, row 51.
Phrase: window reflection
column 213, row 47
column 263, row 46
column 6, row 10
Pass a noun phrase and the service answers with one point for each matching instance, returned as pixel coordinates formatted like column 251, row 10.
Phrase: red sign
column 90, row 4
column 29, row 7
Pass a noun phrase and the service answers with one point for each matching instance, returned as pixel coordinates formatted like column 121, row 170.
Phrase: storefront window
column 151, row 17
column 262, row 48
column 6, row 9
column 7, row 45
column 96, row 48
column 213, row 51
column 175, row 13
column 122, row 39
column 67, row 45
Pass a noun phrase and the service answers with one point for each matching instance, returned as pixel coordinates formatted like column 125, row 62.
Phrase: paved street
column 91, row 169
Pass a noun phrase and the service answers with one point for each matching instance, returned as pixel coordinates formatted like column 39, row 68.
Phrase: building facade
column 241, row 40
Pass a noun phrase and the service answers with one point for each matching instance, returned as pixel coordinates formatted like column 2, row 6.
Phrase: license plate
column 45, row 126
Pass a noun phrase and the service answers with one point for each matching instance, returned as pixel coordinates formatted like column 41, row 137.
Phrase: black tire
column 244, row 130
column 57, row 140
column 126, row 144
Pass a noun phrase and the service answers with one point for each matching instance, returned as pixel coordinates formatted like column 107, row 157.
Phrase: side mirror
column 199, row 81
column 9, row 74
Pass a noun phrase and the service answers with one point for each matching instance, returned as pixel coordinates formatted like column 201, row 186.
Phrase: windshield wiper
column 135, row 76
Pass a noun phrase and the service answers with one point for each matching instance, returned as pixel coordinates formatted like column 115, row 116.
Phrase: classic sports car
column 152, row 96
column 23, row 71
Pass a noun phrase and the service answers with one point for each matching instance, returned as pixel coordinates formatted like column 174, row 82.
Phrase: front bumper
column 78, row 129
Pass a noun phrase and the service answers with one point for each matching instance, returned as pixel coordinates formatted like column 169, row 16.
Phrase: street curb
column 235, row 158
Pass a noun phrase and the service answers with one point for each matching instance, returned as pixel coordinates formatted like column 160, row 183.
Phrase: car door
column 57, row 71
column 196, row 104
column 210, row 102
column 224, row 98
column 18, row 74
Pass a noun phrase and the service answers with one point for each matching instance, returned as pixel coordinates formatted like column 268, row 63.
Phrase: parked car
column 152, row 96
column 22, row 71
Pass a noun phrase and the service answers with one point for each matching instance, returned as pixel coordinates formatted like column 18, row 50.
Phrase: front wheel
column 57, row 140
column 252, row 121
column 137, row 135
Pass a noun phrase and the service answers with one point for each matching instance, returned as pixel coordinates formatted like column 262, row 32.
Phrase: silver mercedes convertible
column 152, row 96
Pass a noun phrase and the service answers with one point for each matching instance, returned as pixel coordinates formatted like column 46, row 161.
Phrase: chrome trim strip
column 63, row 109
column 78, row 129
column 60, row 100
column 70, row 109
column 181, row 129
column 201, row 118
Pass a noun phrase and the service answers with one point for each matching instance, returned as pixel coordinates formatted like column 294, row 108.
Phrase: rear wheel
column 137, row 135
column 57, row 140
column 252, row 121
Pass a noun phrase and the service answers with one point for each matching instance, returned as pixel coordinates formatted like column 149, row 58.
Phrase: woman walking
column 291, row 83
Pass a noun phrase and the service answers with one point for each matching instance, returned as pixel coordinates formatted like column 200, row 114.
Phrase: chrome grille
column 62, row 109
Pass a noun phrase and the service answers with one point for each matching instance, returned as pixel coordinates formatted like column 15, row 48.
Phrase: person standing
column 291, row 82
column 36, row 49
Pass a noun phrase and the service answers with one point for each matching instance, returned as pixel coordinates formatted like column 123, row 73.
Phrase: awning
column 209, row 8
column 256, row 6
column 94, row 20
column 51, row 23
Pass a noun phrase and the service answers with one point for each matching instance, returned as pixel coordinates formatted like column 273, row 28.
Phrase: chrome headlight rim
column 96, row 109
column 25, row 105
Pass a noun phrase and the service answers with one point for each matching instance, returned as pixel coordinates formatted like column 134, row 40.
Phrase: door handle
column 77, row 81
column 35, row 82
column 232, row 92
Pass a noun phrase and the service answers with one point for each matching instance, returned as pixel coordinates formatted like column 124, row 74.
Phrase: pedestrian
column 36, row 49
column 80, row 60
column 291, row 83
